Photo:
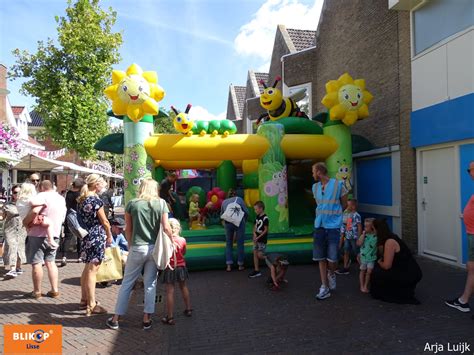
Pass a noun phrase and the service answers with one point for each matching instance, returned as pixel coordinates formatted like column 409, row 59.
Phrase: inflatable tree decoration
column 347, row 101
column 135, row 95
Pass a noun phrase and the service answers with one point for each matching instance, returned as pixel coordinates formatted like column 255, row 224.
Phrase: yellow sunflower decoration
column 134, row 93
column 347, row 99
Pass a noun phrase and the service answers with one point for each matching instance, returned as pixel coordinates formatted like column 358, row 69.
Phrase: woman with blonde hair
column 92, row 217
column 143, row 218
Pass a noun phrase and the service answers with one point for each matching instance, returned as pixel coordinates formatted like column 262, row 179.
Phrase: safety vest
column 329, row 209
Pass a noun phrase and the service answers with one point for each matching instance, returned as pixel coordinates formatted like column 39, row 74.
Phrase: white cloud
column 161, row 25
column 256, row 38
column 264, row 68
column 200, row 113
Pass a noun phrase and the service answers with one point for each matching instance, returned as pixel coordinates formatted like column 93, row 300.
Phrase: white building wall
column 444, row 72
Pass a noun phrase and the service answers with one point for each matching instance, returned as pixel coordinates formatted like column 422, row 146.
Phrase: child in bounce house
column 194, row 213
column 176, row 273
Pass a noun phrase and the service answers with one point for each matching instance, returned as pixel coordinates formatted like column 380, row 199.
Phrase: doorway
column 438, row 201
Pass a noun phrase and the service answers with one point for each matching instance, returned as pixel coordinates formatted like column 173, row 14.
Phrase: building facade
column 442, row 121
column 369, row 41
column 247, row 98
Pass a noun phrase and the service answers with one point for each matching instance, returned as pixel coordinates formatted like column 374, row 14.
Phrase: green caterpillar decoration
column 189, row 127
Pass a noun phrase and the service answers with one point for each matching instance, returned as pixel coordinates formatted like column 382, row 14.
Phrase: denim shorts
column 260, row 247
column 350, row 246
column 38, row 250
column 470, row 247
column 368, row 265
column 326, row 244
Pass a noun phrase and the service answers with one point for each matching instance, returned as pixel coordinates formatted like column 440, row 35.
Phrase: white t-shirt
column 24, row 207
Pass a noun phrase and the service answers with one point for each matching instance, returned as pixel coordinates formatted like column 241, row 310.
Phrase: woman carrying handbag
column 144, row 217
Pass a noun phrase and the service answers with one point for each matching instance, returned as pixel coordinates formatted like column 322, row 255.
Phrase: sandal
column 52, row 294
column 167, row 320
column 83, row 305
column 188, row 312
column 34, row 295
column 98, row 309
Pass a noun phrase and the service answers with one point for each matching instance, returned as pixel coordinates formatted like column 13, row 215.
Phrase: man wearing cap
column 117, row 225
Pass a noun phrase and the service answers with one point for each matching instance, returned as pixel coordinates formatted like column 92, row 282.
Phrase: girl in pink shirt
column 176, row 272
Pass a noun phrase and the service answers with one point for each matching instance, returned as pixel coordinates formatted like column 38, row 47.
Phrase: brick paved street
column 234, row 314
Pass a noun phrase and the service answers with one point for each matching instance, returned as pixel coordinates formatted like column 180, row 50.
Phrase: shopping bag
column 111, row 267
column 163, row 250
column 233, row 213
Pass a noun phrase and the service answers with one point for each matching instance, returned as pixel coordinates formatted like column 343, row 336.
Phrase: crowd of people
column 36, row 214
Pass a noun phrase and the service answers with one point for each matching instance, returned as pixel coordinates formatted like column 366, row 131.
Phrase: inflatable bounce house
column 275, row 163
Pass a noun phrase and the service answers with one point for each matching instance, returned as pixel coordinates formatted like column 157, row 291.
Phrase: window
column 438, row 20
column 305, row 103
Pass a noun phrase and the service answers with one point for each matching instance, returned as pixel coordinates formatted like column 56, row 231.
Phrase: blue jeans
column 350, row 246
column 140, row 258
column 326, row 244
column 230, row 229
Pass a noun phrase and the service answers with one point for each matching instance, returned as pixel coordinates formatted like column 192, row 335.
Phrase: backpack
column 233, row 213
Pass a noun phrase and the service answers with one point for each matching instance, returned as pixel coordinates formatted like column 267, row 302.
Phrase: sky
column 197, row 47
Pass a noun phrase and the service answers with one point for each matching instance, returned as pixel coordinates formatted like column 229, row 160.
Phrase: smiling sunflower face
column 133, row 90
column 347, row 99
column 350, row 96
column 134, row 93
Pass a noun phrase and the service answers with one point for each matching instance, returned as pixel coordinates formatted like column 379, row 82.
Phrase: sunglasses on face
column 15, row 192
column 35, row 180
column 468, row 171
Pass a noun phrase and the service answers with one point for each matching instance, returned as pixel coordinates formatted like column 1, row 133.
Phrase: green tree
column 115, row 160
column 164, row 124
column 67, row 76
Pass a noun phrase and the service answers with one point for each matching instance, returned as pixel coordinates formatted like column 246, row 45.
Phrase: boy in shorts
column 260, row 232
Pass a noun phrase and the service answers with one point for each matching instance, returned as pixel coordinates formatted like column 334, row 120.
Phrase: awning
column 33, row 162
column 8, row 158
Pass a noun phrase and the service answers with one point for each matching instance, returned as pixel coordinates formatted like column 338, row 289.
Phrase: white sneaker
column 324, row 293
column 11, row 274
column 332, row 281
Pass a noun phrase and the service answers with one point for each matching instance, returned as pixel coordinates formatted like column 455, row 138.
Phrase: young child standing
column 260, row 232
column 177, row 273
column 26, row 202
column 351, row 229
column 194, row 214
column 368, row 253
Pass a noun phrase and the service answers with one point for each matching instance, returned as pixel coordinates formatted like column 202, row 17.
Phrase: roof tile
column 36, row 119
column 302, row 39
column 17, row 109
column 261, row 76
column 240, row 94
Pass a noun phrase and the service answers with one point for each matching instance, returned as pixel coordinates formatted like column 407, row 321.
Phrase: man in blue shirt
column 331, row 200
column 117, row 225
